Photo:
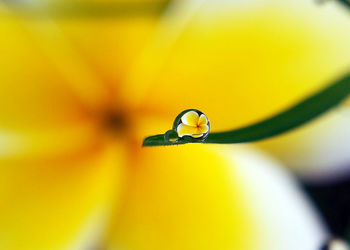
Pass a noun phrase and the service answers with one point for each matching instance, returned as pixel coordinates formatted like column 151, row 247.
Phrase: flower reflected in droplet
column 193, row 123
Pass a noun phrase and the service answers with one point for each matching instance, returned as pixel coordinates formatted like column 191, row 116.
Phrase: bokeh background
column 82, row 82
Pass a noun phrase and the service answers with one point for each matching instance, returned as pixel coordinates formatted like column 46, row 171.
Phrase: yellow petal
column 203, row 129
column 110, row 48
column 43, row 113
column 140, row 78
column 201, row 197
column 200, row 131
column 190, row 118
column 60, row 204
column 39, row 64
column 196, row 135
column 186, row 130
column 240, row 71
column 64, row 141
column 230, row 56
column 191, row 206
column 202, row 120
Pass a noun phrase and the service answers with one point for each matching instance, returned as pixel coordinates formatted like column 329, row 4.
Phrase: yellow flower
column 193, row 124
column 77, row 96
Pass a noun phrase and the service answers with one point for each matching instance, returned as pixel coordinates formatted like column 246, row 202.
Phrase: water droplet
column 171, row 136
column 192, row 123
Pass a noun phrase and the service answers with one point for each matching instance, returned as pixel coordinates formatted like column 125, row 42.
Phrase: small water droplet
column 171, row 136
column 192, row 123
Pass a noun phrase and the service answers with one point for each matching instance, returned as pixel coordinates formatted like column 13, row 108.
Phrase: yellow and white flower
column 77, row 97
column 193, row 123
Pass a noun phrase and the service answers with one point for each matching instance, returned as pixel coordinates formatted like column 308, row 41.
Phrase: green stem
column 301, row 113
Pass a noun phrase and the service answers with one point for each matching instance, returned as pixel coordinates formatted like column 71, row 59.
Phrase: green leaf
column 87, row 9
column 303, row 112
column 345, row 2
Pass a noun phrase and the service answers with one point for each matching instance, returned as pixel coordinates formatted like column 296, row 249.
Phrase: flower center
column 115, row 122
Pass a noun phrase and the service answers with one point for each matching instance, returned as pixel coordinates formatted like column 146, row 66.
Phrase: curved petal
column 109, row 48
column 183, row 130
column 146, row 67
column 40, row 69
column 68, row 141
column 190, row 118
column 245, row 64
column 248, row 61
column 196, row 135
column 203, row 120
column 203, row 128
column 58, row 204
column 287, row 219
column 200, row 197
column 43, row 113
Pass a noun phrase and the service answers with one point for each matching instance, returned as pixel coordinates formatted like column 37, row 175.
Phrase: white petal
column 286, row 217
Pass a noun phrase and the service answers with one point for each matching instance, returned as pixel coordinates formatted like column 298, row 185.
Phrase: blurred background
column 82, row 82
